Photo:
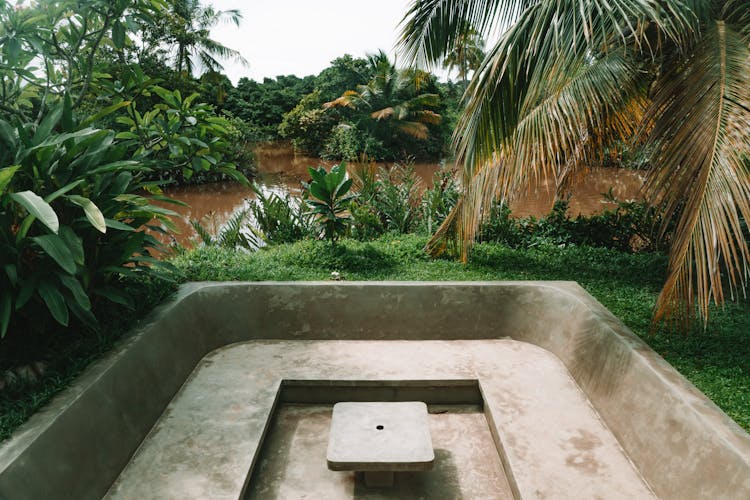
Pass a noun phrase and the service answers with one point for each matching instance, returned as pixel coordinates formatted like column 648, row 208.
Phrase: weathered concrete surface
column 554, row 443
column 684, row 446
column 380, row 436
column 466, row 466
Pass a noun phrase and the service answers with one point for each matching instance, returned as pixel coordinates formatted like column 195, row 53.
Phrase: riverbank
column 280, row 170
column 714, row 360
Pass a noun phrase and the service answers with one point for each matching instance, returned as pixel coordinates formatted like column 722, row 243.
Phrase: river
column 280, row 171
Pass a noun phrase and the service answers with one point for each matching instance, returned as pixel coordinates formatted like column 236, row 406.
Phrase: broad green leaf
column 56, row 248
column 6, row 134
column 74, row 243
column 6, row 175
column 93, row 214
column 12, row 273
column 6, row 304
column 84, row 315
column 118, row 34
column 104, row 112
column 79, row 294
column 115, row 295
column 25, row 293
column 319, row 191
column 55, row 302
column 49, row 122
column 344, row 187
column 52, row 197
column 38, row 208
column 116, row 224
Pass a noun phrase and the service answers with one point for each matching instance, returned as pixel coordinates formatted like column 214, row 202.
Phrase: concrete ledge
column 682, row 444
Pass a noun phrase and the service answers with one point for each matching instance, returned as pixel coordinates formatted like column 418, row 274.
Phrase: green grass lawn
column 716, row 360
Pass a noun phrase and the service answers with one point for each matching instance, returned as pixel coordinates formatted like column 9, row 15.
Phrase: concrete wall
column 684, row 446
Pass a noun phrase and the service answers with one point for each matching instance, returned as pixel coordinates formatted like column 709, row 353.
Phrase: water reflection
column 281, row 171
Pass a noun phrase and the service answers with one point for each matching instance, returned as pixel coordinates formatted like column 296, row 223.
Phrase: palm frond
column 415, row 129
column 701, row 174
column 203, row 233
column 431, row 27
column 566, row 119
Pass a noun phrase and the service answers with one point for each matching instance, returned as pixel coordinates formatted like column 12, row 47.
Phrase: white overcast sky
column 302, row 37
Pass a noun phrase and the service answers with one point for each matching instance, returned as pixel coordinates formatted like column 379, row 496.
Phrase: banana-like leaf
column 37, row 208
column 54, row 246
column 6, row 175
column 93, row 214
column 55, row 302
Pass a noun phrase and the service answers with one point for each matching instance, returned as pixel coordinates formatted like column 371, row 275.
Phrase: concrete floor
column 553, row 443
column 293, row 460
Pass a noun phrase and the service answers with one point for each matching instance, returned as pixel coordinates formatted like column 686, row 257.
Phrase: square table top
column 380, row 436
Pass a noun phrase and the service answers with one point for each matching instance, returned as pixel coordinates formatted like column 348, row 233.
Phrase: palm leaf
column 567, row 116
column 701, row 175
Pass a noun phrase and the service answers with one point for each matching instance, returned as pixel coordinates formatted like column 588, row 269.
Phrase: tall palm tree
column 189, row 29
column 393, row 97
column 466, row 53
column 566, row 79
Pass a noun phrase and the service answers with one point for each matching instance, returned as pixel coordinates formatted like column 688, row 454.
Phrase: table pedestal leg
column 378, row 479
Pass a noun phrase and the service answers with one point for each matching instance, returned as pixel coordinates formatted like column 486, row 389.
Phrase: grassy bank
column 716, row 360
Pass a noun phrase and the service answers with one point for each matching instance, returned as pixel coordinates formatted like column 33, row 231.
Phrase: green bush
column 397, row 198
column 347, row 142
column 329, row 198
column 630, row 227
column 308, row 125
column 71, row 204
column 232, row 234
column 279, row 220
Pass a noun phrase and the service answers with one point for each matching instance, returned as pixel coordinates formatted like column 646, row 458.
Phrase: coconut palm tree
column 567, row 79
column 466, row 54
column 188, row 30
column 392, row 97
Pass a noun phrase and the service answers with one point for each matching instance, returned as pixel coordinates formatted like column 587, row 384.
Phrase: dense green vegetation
column 87, row 140
column 354, row 108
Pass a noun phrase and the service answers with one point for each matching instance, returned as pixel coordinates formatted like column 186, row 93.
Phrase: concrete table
column 379, row 439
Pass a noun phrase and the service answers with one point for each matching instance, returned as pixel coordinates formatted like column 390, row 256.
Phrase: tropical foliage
column 83, row 155
column 392, row 105
column 329, row 199
column 466, row 53
column 567, row 81
column 184, row 28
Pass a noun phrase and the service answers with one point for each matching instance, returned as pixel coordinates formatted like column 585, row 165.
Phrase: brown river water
column 280, row 171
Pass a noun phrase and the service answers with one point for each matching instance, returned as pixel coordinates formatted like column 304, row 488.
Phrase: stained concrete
column 553, row 444
column 466, row 462
column 380, row 436
column 681, row 443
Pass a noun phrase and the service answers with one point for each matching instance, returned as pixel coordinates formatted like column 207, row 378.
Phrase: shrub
column 438, row 200
column 397, row 198
column 71, row 204
column 347, row 142
column 231, row 234
column 329, row 199
column 279, row 220
column 308, row 125
column 630, row 227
